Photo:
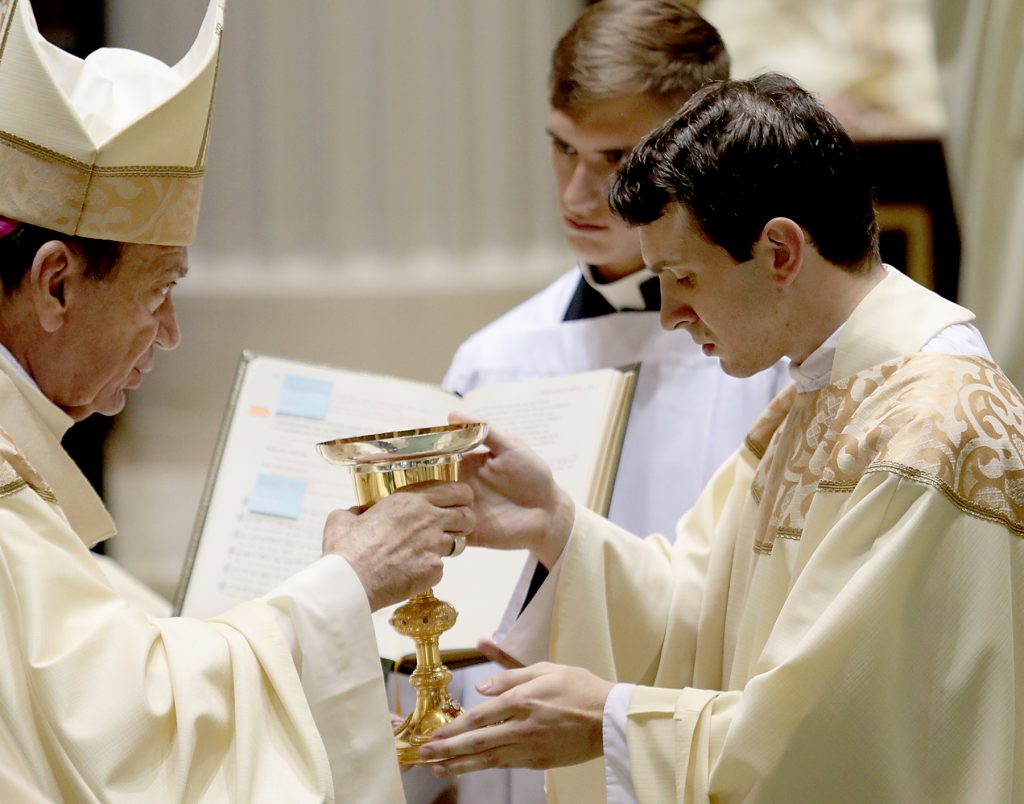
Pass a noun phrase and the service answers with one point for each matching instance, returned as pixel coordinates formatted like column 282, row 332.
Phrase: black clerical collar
column 637, row 292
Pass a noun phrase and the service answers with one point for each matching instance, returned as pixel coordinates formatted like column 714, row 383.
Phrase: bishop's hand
column 397, row 545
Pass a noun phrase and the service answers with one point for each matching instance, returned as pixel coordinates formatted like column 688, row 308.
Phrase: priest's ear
column 781, row 248
column 54, row 268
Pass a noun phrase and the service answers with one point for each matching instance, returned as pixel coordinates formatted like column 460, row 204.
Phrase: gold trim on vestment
column 768, row 422
column 753, row 446
column 16, row 472
column 7, row 488
column 965, row 505
column 839, row 487
column 954, row 423
column 14, row 486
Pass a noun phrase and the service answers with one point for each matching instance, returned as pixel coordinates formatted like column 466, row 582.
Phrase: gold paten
column 381, row 464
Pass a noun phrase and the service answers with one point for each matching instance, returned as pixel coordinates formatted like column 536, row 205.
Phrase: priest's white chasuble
column 840, row 617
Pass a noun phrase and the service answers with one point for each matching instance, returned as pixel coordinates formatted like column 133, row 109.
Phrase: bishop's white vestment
column 99, row 701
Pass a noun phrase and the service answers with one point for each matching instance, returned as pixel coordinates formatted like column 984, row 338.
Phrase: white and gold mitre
column 112, row 146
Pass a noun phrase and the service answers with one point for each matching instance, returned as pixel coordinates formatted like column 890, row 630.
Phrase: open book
column 268, row 492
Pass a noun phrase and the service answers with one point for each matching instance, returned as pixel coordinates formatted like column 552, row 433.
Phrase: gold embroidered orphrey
column 955, row 423
column 16, row 473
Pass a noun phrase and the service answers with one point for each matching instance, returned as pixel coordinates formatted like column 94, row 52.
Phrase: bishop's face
column 586, row 149
column 110, row 330
column 732, row 310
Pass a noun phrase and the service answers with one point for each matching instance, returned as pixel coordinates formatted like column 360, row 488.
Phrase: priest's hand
column 397, row 546
column 516, row 500
column 542, row 716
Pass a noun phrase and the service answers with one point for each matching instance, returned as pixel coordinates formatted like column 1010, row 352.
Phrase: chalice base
column 432, row 711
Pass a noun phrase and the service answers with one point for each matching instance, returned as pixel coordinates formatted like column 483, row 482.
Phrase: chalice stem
column 425, row 618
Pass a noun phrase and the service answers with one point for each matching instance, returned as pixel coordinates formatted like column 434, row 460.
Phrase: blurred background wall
column 378, row 187
column 377, row 190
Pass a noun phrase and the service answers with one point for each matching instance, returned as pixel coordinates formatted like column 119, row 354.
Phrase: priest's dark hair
column 739, row 153
column 18, row 249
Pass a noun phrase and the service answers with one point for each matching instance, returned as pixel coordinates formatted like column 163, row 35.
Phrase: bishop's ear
column 782, row 246
column 48, row 282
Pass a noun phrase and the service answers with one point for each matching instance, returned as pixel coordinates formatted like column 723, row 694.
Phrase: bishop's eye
column 161, row 294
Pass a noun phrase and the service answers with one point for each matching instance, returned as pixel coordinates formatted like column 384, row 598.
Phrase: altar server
column 621, row 69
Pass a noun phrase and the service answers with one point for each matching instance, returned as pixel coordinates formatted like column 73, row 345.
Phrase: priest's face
column 586, row 148
column 731, row 309
column 110, row 329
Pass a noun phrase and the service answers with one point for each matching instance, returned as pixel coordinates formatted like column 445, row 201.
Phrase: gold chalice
column 381, row 464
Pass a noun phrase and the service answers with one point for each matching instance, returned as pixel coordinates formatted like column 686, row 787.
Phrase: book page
column 273, row 491
column 270, row 491
column 564, row 419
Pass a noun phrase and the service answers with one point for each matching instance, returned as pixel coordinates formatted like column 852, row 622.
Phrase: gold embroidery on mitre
column 133, row 204
column 6, row 15
column 955, row 423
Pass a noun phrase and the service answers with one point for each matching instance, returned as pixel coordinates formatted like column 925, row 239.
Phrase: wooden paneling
column 919, row 233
